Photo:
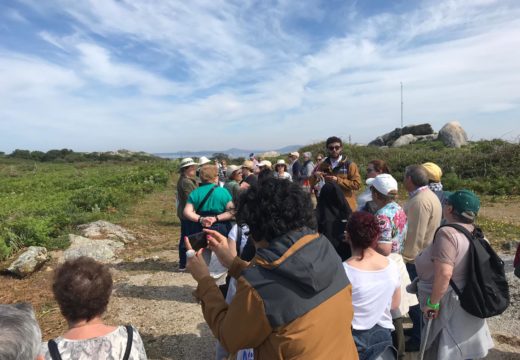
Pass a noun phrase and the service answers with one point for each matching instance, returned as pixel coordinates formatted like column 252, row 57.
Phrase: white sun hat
column 384, row 183
column 187, row 162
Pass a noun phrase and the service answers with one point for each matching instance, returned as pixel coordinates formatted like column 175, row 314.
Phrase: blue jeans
column 371, row 342
column 182, row 247
column 415, row 311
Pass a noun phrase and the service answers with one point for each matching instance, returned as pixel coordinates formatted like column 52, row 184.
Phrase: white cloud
column 250, row 83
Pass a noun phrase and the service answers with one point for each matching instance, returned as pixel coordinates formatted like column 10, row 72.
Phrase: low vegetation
column 487, row 167
column 41, row 201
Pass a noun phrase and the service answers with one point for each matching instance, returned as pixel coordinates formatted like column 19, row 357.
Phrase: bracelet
column 200, row 219
column 432, row 306
column 216, row 218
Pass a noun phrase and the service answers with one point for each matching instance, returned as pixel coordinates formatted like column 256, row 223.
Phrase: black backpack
column 486, row 293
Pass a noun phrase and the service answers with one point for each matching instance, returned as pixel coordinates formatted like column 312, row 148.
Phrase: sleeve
column 191, row 199
column 138, row 352
column 386, row 229
column 239, row 325
column 225, row 197
column 232, row 235
column 352, row 180
column 445, row 247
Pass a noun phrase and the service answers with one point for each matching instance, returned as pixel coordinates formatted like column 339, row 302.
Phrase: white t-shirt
column 232, row 288
column 285, row 176
column 372, row 293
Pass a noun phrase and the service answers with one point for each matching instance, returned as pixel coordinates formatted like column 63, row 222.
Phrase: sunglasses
column 369, row 170
column 337, row 147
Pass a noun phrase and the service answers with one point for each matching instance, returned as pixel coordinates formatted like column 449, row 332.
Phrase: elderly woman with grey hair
column 20, row 335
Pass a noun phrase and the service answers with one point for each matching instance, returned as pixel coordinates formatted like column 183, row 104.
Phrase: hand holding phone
column 198, row 241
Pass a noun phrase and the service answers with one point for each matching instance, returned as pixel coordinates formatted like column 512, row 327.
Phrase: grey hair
column 417, row 174
column 307, row 154
column 20, row 338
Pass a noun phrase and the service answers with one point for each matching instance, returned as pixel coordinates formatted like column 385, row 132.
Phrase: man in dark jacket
column 345, row 173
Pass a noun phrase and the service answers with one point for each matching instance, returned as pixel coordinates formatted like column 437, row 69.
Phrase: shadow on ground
column 148, row 265
column 149, row 292
column 181, row 346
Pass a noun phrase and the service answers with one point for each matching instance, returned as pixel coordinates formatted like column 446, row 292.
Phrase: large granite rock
column 378, row 141
column 453, row 135
column 104, row 230
column 101, row 250
column 390, row 137
column 30, row 261
column 404, row 140
column 422, row 129
column 429, row 137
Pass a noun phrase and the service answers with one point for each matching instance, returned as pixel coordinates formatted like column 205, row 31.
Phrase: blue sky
column 161, row 76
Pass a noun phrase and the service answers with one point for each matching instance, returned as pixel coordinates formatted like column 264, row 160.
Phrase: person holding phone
column 345, row 173
column 294, row 299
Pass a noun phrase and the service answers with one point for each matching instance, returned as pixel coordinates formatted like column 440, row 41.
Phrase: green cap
column 465, row 202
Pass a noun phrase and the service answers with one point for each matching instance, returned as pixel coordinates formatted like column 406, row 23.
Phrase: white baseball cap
column 265, row 163
column 384, row 183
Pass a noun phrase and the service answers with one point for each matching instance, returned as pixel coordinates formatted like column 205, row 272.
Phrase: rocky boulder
column 453, row 135
column 101, row 250
column 422, row 129
column 30, row 261
column 404, row 140
column 104, row 230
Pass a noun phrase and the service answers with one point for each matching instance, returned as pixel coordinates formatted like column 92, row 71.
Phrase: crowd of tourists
column 297, row 264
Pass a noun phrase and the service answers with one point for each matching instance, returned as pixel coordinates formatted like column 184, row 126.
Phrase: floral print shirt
column 394, row 224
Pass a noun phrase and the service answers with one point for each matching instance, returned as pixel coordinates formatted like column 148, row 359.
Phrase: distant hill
column 233, row 152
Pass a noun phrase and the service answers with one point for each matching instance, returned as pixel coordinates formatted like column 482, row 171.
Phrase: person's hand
column 429, row 313
column 196, row 265
column 331, row 178
column 218, row 243
column 208, row 221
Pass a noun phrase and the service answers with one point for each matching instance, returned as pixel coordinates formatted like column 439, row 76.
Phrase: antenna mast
column 401, row 104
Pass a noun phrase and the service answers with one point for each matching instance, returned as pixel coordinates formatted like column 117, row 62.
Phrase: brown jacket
column 294, row 306
column 349, row 180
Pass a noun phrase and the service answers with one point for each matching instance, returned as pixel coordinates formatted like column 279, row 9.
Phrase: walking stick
column 428, row 326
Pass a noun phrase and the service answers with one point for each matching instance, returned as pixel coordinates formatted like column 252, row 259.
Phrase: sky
column 161, row 76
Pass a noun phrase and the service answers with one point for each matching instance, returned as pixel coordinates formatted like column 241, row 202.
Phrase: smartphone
column 198, row 241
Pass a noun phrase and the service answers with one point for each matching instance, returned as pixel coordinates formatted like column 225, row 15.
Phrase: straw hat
column 282, row 163
column 232, row 169
column 203, row 160
column 265, row 163
column 248, row 164
column 187, row 162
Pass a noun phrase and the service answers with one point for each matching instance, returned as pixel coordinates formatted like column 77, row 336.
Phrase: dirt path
column 152, row 296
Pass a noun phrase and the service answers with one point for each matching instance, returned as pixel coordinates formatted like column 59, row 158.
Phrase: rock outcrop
column 453, row 135
column 404, row 140
column 103, row 250
column 29, row 261
column 104, row 230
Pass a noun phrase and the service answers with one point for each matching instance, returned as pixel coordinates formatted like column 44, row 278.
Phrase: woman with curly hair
column 293, row 300
column 376, row 286
column 82, row 288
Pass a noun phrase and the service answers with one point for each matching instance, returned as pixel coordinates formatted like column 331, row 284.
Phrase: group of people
column 335, row 278
column 332, row 278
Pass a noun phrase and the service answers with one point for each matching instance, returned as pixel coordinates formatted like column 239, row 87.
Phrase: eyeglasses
column 337, row 147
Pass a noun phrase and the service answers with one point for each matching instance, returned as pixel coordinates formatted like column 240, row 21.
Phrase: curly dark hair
column 82, row 288
column 364, row 230
column 274, row 208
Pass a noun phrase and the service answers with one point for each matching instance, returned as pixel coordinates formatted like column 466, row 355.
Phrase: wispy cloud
column 171, row 75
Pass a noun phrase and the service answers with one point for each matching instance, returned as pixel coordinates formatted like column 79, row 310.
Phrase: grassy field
column 42, row 201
